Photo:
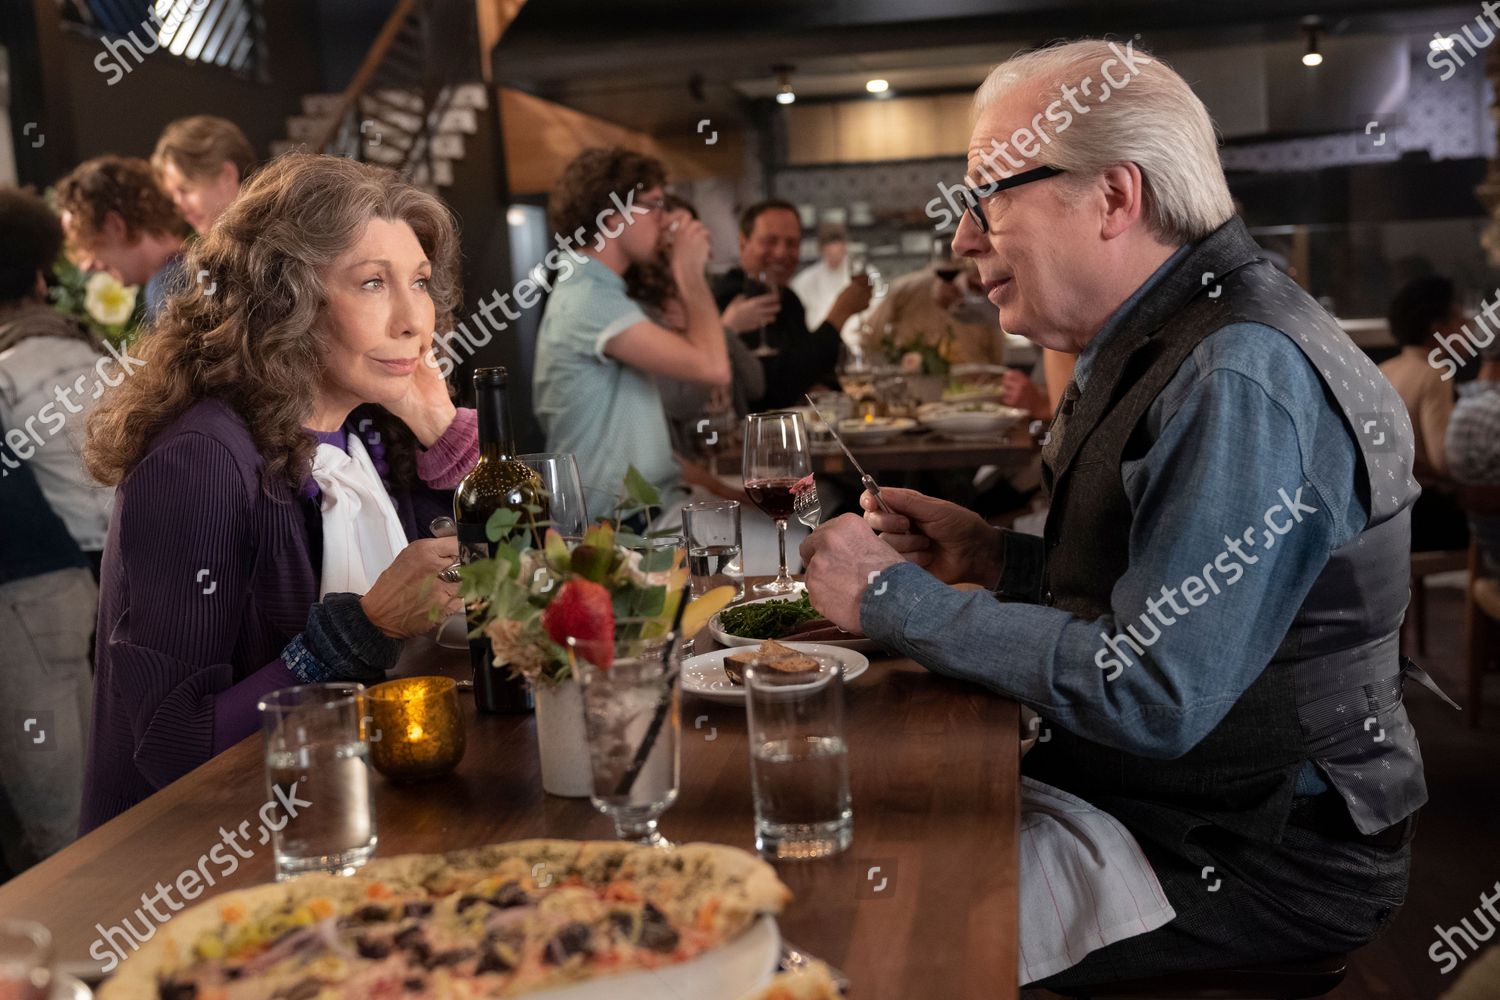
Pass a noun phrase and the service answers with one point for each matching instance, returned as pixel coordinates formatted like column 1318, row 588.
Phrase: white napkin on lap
column 362, row 533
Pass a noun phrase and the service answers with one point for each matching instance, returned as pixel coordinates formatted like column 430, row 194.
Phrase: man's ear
column 1124, row 192
column 114, row 228
column 229, row 174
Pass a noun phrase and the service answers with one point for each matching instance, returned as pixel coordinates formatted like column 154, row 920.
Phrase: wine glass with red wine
column 776, row 458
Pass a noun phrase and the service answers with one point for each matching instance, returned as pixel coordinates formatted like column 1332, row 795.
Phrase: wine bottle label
column 473, row 542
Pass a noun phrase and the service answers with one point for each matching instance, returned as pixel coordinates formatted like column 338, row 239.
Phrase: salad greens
column 767, row 619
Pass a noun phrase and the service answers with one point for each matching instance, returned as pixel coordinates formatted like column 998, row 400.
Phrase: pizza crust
column 166, row 951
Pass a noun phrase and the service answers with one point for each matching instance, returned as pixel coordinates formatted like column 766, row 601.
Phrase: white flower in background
column 108, row 301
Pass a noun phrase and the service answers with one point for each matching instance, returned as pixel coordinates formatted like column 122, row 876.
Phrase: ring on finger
column 450, row 575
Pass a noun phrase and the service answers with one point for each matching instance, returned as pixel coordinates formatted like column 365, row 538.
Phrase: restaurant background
column 1361, row 173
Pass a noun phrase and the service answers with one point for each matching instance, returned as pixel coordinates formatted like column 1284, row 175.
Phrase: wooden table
column 914, row 452
column 933, row 767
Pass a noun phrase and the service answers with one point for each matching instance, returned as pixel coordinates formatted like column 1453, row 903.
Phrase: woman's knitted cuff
column 340, row 643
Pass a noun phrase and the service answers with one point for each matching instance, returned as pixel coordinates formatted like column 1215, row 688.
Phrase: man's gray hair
column 1152, row 119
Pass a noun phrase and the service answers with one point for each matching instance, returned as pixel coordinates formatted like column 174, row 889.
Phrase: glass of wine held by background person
column 762, row 284
column 499, row 481
column 776, row 459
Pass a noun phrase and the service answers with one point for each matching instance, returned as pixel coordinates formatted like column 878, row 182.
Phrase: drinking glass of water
column 799, row 762
column 25, row 960
column 632, row 716
column 712, row 530
column 318, row 773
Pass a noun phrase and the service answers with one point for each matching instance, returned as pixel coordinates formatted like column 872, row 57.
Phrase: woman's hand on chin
column 426, row 409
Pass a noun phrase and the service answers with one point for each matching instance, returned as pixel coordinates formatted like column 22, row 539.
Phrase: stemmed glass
column 776, row 458
column 764, row 284
column 558, row 472
column 632, row 714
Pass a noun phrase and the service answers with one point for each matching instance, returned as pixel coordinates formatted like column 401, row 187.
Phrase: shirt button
column 1047, row 598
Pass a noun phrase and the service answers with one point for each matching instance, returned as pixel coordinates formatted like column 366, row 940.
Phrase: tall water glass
column 632, row 716
column 799, row 762
column 714, row 544
column 558, row 471
column 25, row 960
column 318, row 776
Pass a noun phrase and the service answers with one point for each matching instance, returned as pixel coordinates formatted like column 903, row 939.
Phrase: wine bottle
column 497, row 482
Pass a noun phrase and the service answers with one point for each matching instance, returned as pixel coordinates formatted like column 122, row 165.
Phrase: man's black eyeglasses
column 974, row 196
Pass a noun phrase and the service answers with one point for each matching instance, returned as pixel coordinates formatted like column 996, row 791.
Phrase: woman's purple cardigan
column 210, row 569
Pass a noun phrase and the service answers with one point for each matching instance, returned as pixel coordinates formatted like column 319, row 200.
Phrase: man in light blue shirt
column 597, row 352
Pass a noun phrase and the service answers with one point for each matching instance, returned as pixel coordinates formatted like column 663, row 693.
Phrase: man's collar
column 1117, row 318
column 596, row 270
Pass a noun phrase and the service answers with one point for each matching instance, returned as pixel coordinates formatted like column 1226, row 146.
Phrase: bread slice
column 769, row 653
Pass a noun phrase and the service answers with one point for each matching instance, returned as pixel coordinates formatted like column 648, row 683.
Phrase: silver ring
column 450, row 575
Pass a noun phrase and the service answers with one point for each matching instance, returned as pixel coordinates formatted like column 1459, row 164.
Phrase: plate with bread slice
column 720, row 675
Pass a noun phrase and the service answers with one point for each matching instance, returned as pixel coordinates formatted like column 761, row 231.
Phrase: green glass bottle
column 497, row 481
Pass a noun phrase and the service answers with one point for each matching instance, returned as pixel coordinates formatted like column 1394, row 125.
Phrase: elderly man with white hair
column 1209, row 626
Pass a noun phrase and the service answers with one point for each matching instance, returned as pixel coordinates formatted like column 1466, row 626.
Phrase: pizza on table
column 498, row 921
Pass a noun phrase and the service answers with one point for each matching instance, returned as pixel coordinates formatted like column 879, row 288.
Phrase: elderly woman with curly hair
column 276, row 459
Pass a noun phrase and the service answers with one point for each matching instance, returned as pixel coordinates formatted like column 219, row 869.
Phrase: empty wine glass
column 776, row 458
column 566, row 512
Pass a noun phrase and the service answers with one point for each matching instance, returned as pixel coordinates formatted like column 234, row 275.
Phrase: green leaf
column 556, row 547
column 640, row 490
column 501, row 524
column 658, row 560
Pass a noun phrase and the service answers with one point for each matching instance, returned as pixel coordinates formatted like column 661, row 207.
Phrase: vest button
column 1047, row 598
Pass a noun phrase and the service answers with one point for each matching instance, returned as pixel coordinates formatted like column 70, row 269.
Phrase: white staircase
column 390, row 125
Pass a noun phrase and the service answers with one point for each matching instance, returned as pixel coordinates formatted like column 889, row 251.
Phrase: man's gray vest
column 1332, row 692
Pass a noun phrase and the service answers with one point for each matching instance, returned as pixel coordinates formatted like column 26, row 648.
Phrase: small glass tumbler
column 799, row 762
column 714, row 546
column 631, row 712
column 419, row 731
column 318, row 777
column 25, row 960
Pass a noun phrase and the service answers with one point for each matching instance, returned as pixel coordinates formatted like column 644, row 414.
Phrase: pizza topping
column 656, row 932
column 572, row 940
column 370, row 913
column 372, row 947
column 305, row 990
column 170, row 989
column 491, row 960
column 414, row 985
column 417, row 908
column 453, row 956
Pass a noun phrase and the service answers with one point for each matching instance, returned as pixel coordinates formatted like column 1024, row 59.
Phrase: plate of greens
column 789, row 617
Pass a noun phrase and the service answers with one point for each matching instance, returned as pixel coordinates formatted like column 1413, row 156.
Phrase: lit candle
column 418, row 730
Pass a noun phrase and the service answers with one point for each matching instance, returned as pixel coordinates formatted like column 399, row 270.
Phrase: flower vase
column 562, row 739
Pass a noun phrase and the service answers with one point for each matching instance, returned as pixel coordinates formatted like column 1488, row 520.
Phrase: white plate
column 704, row 674
column 716, row 628
column 733, row 970
column 859, row 432
column 991, row 420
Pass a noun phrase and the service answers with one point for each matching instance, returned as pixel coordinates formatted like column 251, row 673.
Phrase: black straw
column 627, row 780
